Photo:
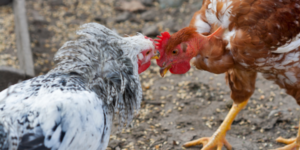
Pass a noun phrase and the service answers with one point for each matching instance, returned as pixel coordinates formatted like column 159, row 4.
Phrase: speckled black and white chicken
column 72, row 106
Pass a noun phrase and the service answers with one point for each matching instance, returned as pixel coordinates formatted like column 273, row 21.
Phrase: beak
column 156, row 56
column 164, row 70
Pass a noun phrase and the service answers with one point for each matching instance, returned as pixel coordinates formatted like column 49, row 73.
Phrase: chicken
column 73, row 105
column 239, row 38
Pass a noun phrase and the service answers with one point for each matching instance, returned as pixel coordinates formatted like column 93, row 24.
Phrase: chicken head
column 144, row 58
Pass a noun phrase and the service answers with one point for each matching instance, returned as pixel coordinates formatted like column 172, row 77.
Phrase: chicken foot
column 218, row 138
column 292, row 143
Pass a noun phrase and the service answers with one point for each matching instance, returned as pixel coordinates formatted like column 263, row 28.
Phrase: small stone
column 261, row 130
column 100, row 19
column 150, row 30
column 37, row 17
column 123, row 17
column 170, row 24
column 147, row 2
column 110, row 21
column 170, row 3
column 131, row 6
column 56, row 3
column 149, row 15
column 262, row 97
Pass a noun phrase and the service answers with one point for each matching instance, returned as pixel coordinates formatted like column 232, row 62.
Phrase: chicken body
column 54, row 111
column 239, row 38
column 261, row 36
column 72, row 106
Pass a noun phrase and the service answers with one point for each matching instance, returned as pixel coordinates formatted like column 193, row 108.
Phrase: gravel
column 8, row 55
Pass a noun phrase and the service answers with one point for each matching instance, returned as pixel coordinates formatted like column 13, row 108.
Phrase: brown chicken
column 239, row 38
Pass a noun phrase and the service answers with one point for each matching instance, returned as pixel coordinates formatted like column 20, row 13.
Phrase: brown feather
column 182, row 35
column 261, row 26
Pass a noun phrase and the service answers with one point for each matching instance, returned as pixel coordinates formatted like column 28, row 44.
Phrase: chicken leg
column 292, row 144
column 218, row 138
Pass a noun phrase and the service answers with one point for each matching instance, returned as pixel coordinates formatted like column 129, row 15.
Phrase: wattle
column 144, row 67
column 180, row 68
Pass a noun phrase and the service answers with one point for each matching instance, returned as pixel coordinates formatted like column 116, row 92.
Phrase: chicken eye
column 148, row 53
column 175, row 51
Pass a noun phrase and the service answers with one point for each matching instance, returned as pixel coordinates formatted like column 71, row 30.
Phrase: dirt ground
column 176, row 108
column 194, row 105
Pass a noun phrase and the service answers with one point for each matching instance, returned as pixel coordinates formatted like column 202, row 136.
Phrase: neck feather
column 109, row 64
column 183, row 35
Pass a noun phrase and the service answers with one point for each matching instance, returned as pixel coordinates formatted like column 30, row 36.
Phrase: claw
column 202, row 141
column 291, row 144
column 218, row 138
column 285, row 141
column 209, row 143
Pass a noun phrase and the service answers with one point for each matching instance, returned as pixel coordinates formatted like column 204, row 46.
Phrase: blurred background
column 53, row 22
column 175, row 109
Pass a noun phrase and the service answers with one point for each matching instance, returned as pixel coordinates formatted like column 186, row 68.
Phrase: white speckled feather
column 72, row 106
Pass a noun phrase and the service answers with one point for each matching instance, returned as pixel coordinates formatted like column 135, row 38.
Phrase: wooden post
column 22, row 37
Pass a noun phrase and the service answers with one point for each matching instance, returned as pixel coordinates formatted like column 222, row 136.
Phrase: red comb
column 162, row 41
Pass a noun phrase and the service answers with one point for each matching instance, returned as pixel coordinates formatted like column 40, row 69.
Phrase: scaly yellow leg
column 218, row 138
column 292, row 143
